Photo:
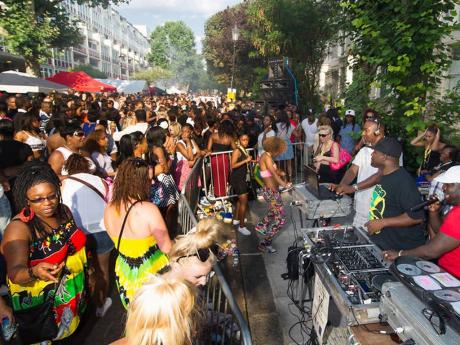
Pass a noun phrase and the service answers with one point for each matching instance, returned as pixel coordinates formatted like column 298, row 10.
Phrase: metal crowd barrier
column 216, row 171
column 225, row 322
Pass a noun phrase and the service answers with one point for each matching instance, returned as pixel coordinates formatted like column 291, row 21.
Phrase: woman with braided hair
column 43, row 248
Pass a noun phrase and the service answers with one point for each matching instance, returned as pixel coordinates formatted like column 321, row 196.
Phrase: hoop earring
column 26, row 215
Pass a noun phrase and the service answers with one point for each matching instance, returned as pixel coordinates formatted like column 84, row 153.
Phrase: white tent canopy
column 127, row 86
column 174, row 90
column 17, row 82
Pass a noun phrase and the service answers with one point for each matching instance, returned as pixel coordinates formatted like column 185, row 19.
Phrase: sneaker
column 266, row 249
column 270, row 249
column 244, row 230
column 235, row 222
column 100, row 312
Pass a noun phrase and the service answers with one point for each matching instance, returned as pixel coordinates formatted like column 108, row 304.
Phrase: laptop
column 321, row 192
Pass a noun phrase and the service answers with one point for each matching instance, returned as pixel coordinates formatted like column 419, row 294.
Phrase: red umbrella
column 80, row 81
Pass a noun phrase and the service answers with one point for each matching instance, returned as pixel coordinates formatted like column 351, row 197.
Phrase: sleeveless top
column 137, row 260
column 217, row 147
column 66, row 153
column 35, row 143
column 238, row 175
column 70, row 302
column 180, row 156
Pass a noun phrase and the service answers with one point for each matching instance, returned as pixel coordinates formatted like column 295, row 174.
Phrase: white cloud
column 192, row 7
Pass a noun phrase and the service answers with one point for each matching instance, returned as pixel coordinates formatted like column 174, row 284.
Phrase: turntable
column 438, row 289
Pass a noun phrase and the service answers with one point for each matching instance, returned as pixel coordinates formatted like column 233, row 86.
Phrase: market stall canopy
column 80, row 81
column 127, row 86
column 17, row 82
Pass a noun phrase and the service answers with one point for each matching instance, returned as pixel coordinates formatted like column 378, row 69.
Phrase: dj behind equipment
column 409, row 296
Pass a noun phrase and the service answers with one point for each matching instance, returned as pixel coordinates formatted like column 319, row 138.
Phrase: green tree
column 299, row 29
column 90, row 70
column 401, row 47
column 405, row 43
column 168, row 40
column 152, row 75
column 218, row 49
column 33, row 27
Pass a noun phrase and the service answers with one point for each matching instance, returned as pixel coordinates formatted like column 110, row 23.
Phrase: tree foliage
column 173, row 50
column 33, row 27
column 90, row 70
column 218, row 49
column 401, row 48
column 152, row 75
column 299, row 29
column 168, row 40
column 405, row 43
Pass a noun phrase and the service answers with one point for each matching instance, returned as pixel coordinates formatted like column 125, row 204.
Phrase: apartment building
column 110, row 44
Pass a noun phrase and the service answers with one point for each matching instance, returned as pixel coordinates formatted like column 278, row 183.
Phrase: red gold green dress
column 70, row 301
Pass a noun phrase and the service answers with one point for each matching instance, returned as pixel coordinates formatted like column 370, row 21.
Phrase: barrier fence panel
column 216, row 170
column 225, row 323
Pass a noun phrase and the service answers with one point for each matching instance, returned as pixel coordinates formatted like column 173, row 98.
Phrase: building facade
column 110, row 44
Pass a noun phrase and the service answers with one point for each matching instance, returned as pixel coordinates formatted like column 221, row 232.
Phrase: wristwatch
column 355, row 187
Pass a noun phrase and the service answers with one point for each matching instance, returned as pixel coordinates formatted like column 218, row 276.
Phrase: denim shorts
column 99, row 242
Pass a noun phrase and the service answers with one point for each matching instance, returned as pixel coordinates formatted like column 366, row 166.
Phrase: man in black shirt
column 392, row 225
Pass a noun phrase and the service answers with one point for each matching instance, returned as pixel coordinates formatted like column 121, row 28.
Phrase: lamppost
column 235, row 36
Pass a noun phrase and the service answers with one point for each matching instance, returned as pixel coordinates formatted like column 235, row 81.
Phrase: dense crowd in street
column 85, row 174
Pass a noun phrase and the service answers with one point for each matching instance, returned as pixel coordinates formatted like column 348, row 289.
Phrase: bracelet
column 355, row 187
column 400, row 253
column 31, row 274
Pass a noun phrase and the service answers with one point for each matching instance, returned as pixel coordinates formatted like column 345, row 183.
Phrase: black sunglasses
column 203, row 253
column 43, row 199
column 323, row 135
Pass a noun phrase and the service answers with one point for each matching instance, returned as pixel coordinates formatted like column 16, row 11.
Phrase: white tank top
column 35, row 143
column 66, row 154
column 179, row 155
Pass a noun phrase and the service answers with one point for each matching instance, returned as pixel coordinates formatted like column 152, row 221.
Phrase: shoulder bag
column 90, row 186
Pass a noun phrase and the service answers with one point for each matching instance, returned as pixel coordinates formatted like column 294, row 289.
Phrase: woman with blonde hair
column 328, row 152
column 162, row 313
column 270, row 225
column 193, row 255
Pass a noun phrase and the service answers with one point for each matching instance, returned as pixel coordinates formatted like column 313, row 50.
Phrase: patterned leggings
column 271, row 224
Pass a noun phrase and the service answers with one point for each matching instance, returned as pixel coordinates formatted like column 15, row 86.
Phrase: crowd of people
column 92, row 173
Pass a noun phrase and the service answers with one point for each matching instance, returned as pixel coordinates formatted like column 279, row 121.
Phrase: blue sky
column 156, row 12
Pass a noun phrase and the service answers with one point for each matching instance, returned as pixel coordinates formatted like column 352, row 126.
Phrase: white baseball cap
column 450, row 176
column 350, row 112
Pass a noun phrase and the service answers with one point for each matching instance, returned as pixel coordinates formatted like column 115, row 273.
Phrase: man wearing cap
column 392, row 225
column 349, row 129
column 446, row 244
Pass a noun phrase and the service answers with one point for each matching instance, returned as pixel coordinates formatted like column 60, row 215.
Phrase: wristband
column 400, row 253
column 355, row 187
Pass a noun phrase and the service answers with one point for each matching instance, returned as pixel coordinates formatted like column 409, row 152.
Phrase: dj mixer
column 351, row 267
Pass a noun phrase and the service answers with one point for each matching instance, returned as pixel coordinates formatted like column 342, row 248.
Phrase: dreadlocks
column 32, row 174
